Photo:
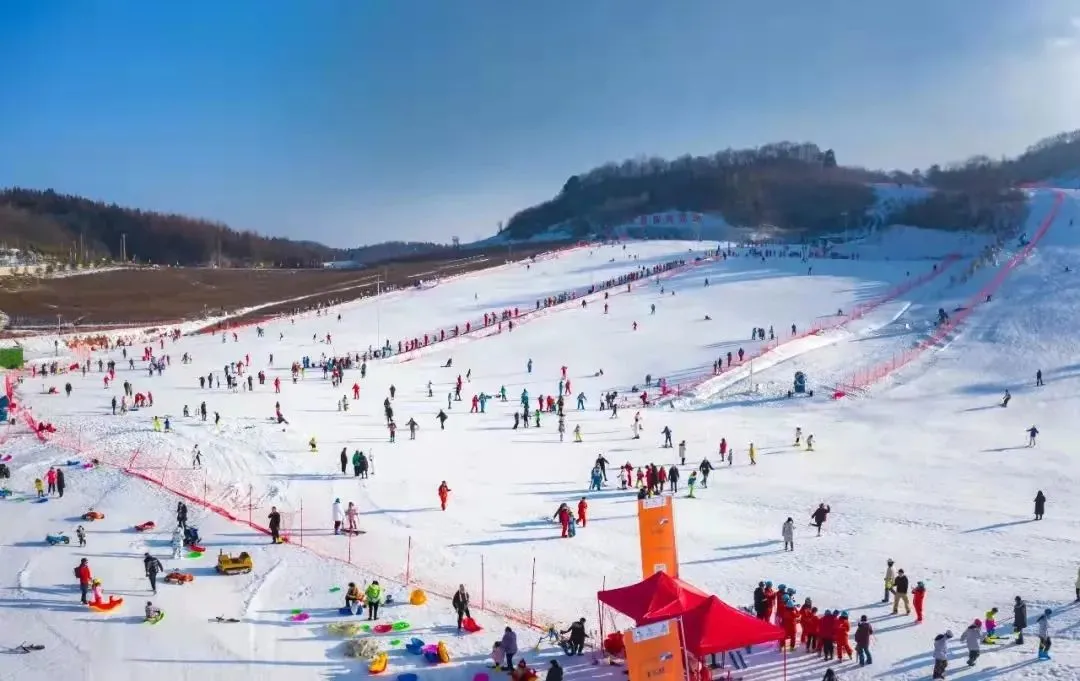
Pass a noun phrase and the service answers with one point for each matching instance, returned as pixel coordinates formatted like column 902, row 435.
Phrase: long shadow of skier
column 998, row 526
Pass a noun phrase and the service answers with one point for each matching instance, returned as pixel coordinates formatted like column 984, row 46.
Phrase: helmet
column 844, row 615
column 782, row 587
column 977, row 623
column 920, row 584
column 768, row 583
column 791, row 591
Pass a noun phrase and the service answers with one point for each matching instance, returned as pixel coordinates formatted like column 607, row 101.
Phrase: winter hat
column 889, row 561
column 900, row 571
column 844, row 615
column 977, row 623
column 766, row 583
column 921, row 584
column 337, row 501
column 948, row 633
column 863, row 618
column 791, row 592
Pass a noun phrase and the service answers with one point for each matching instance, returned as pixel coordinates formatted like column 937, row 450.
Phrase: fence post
column 205, row 487
column 301, row 521
column 251, row 502
column 482, row 582
column 408, row 562
column 532, row 593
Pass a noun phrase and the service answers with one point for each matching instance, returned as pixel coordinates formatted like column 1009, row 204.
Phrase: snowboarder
column 1040, row 505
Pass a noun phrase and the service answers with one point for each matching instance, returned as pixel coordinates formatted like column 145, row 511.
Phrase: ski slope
column 926, row 470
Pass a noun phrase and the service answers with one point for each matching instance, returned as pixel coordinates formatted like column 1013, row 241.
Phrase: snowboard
column 26, row 648
column 354, row 532
column 224, row 620
column 154, row 620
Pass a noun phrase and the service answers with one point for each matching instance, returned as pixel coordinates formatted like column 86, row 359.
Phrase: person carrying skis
column 819, row 516
column 444, row 494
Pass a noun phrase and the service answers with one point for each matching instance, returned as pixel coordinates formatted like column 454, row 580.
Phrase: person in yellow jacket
column 353, row 598
column 157, row 425
column 39, row 487
column 753, row 455
column 373, row 595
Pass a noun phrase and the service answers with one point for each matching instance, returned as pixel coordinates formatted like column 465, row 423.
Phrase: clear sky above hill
column 357, row 121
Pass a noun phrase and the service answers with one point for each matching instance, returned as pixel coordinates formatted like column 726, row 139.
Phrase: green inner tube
column 396, row 642
column 194, row 554
column 297, row 611
column 401, row 625
column 335, row 589
column 366, row 628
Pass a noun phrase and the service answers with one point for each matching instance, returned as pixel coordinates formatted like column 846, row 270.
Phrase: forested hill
column 76, row 229
column 792, row 186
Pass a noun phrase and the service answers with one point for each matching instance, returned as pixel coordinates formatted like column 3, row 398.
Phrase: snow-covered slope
column 927, row 470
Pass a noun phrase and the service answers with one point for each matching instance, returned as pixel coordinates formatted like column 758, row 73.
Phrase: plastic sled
column 42, row 500
column 143, row 527
column 346, row 612
column 113, row 603
column 91, row 516
column 55, row 539
column 470, row 625
column 73, row 462
column 414, row 647
column 179, row 578
column 382, row 629
column 417, row 597
column 378, row 663
column 481, row 676
column 234, row 565
column 154, row 620
column 407, row 677
column 195, row 548
column 443, row 653
column 302, row 617
column 5, row 493
column 88, row 465
column 400, row 625
column 432, row 656
column 5, row 458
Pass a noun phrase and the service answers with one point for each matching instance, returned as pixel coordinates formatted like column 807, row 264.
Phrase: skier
column 667, row 437
column 819, row 516
column 691, row 482
column 595, row 480
column 1032, row 432
column 196, row 458
column 80, row 534
column 971, row 638
column 412, row 426
column 798, row 436
column 602, row 463
column 1040, row 505
column 444, row 493
column 991, row 625
column 580, row 401
column 788, row 533
column 1043, row 623
column 941, row 653
column 357, row 461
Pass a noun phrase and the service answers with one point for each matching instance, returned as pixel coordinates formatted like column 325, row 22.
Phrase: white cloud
column 1060, row 43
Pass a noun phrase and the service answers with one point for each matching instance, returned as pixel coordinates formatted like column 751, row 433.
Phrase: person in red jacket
column 770, row 602
column 788, row 616
column 843, row 643
column 82, row 573
column 563, row 516
column 444, row 492
column 661, row 477
column 810, row 625
column 918, row 594
column 804, row 621
column 827, row 632
column 582, row 508
column 356, row 391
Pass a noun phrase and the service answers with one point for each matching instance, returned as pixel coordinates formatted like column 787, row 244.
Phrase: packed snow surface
column 925, row 469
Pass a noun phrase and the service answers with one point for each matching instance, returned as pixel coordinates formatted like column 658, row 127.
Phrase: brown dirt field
column 143, row 296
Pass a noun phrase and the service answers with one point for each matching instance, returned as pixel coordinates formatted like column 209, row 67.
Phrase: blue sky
column 358, row 121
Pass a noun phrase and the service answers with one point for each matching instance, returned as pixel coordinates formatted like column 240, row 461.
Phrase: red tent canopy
column 657, row 598
column 713, row 626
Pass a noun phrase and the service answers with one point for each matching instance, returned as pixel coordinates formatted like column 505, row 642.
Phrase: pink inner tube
column 302, row 617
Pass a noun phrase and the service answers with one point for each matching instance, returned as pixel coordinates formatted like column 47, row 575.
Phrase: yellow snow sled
column 234, row 565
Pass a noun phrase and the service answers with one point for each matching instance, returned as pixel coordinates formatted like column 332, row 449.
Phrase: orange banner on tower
column 654, row 652
column 656, row 530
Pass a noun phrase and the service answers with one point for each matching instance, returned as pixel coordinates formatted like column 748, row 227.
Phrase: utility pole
column 123, row 248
